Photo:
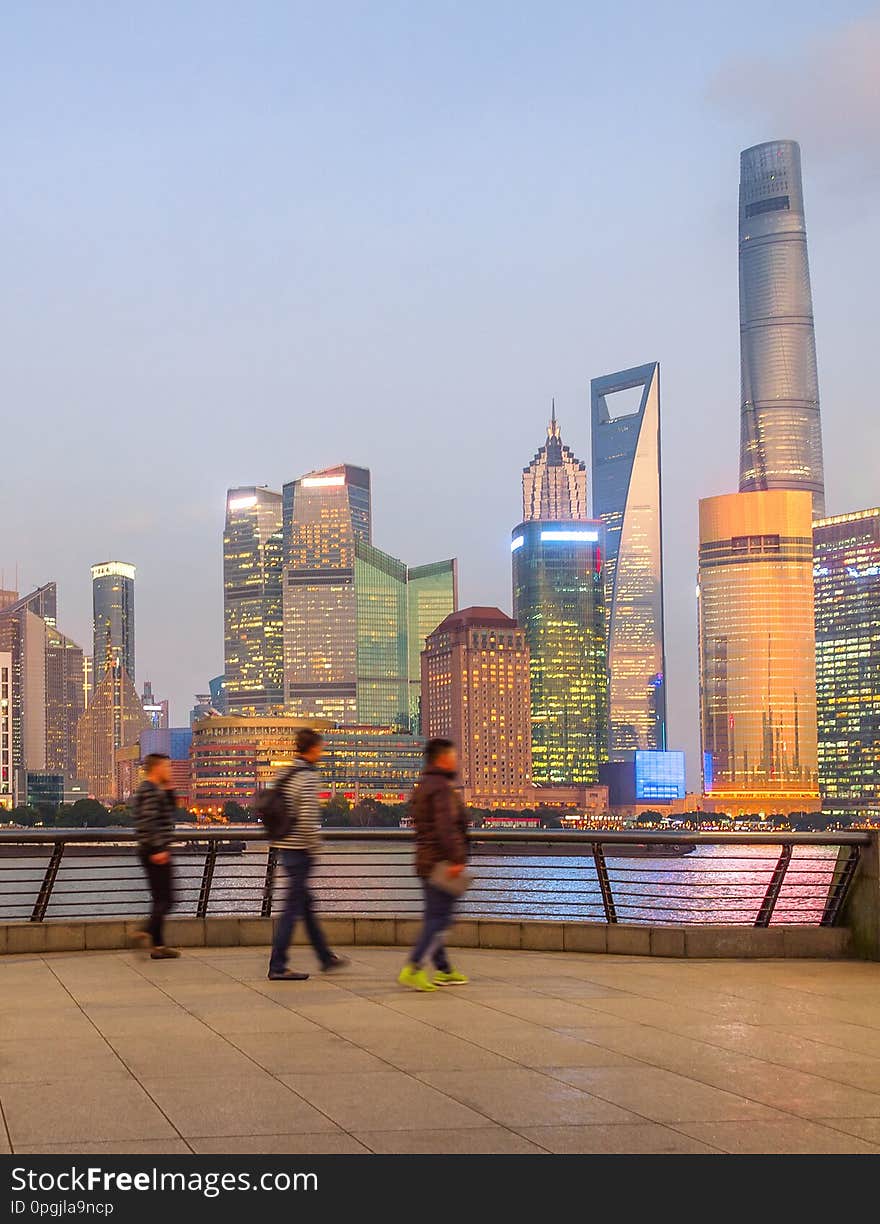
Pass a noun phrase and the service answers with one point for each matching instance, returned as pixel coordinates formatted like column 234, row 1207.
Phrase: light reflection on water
column 711, row 884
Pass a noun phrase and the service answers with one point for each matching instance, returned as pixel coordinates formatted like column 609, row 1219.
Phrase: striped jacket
column 301, row 795
column 154, row 809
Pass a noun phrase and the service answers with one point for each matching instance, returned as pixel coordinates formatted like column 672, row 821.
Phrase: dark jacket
column 154, row 809
column 440, row 822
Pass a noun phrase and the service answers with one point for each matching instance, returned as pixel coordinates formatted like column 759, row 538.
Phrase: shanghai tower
column 781, row 438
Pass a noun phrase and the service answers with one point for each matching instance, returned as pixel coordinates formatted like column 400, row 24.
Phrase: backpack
column 272, row 809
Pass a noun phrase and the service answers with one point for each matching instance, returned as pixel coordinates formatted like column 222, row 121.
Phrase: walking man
column 441, row 849
column 154, row 808
column 299, row 848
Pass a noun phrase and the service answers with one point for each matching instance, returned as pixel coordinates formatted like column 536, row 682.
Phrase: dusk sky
column 244, row 241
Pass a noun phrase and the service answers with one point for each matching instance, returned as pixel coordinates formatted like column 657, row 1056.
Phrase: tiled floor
column 108, row 1052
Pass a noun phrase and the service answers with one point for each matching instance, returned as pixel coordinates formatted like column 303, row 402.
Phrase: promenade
column 109, row 1052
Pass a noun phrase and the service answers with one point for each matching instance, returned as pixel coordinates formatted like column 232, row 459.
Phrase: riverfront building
column 113, row 617
column 847, row 594
column 757, row 656
column 627, row 499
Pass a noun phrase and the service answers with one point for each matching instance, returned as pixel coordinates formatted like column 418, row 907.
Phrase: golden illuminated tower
column 757, row 652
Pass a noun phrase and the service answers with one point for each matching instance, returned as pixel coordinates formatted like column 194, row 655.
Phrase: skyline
column 437, row 351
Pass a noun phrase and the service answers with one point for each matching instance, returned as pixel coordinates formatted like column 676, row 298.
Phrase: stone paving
column 542, row 1052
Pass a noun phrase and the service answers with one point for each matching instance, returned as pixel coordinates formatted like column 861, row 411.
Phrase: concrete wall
column 627, row 940
column 861, row 911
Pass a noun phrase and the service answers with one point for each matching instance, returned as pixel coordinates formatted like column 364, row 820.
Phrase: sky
column 244, row 241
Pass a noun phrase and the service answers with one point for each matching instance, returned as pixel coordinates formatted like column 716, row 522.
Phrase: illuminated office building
column 781, row 436
column 64, row 702
column 846, row 554
column 559, row 604
column 156, row 710
column 627, row 498
column 24, row 627
column 114, row 719
column 6, row 770
column 555, row 482
column 253, row 634
column 113, row 617
column 233, row 758
column 757, row 655
column 432, row 595
column 475, row 691
column 352, row 613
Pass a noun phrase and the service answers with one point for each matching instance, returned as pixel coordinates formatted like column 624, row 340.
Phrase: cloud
column 826, row 94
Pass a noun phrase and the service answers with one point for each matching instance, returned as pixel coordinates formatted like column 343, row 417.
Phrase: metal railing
column 654, row 878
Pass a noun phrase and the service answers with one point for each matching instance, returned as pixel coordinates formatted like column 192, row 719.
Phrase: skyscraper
column 475, row 689
column 113, row 617
column 24, row 627
column 348, row 609
column 757, row 657
column 253, row 633
column 555, row 482
column 6, row 770
column 324, row 514
column 780, row 437
column 432, row 595
column 846, row 554
column 64, row 702
column 156, row 710
column 627, row 498
column 115, row 719
column 559, row 604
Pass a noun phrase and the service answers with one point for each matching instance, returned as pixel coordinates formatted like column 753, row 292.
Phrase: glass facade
column 627, row 498
column 781, row 438
column 846, row 575
column 6, row 774
column 382, row 655
column 432, row 593
column 355, row 618
column 324, row 514
column 24, row 629
column 114, row 719
column 113, row 617
column 757, row 656
column 559, row 603
column 64, row 701
column 659, row 776
column 252, row 619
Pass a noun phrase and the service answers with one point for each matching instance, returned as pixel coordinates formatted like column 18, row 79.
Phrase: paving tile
column 67, row 1111
column 863, row 1128
column 38, row 1061
column 192, row 1057
column 289, row 1052
column 487, row 1140
column 255, row 1104
column 626, row 1138
column 518, row 1098
column 35, row 1024
column 662, row 1096
column 143, row 1147
column 779, row 1136
column 328, row 1142
column 427, row 1050
column 383, row 1100
column 168, row 1023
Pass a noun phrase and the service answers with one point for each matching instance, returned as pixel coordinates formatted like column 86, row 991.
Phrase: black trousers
column 161, row 882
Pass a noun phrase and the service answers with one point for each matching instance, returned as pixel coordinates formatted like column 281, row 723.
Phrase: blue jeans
column 439, row 906
column 299, row 903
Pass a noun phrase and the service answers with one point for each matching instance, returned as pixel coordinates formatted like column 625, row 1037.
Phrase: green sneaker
column 415, row 979
column 452, row 978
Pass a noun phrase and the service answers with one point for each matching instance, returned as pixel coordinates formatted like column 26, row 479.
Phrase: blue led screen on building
column 659, row 775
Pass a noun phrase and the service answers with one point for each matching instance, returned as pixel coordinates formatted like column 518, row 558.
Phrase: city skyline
column 197, row 343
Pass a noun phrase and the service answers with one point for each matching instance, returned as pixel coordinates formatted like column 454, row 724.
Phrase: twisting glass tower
column 781, row 438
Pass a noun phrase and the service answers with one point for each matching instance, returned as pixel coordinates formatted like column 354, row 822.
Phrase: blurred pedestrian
column 440, row 825
column 299, row 848
column 154, row 807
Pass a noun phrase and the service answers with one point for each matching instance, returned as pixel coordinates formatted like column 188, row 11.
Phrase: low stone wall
column 627, row 940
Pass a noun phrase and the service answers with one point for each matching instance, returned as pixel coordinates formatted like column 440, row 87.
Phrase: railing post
column 207, row 877
column 269, row 883
column 44, row 896
column 771, row 896
column 839, row 886
column 604, row 882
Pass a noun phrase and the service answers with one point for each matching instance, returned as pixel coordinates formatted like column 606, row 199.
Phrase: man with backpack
column 298, row 839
